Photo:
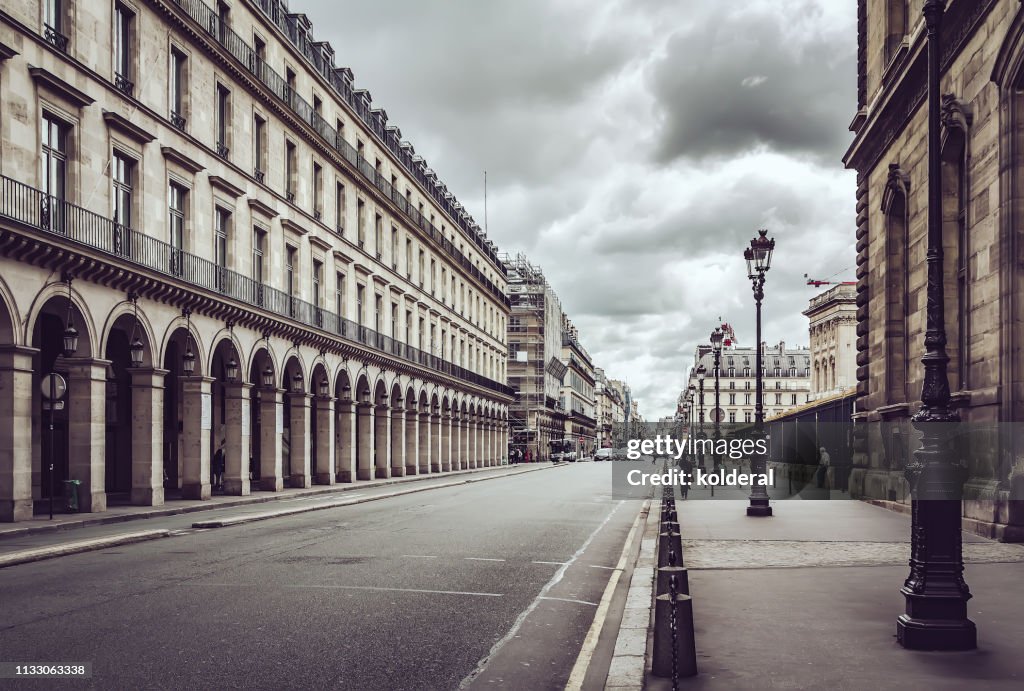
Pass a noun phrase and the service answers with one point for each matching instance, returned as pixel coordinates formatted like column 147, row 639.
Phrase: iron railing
column 203, row 15
column 29, row 206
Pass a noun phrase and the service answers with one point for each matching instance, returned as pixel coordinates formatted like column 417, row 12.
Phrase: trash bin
column 71, row 493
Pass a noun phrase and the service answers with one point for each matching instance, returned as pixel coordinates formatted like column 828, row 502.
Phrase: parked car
column 605, row 454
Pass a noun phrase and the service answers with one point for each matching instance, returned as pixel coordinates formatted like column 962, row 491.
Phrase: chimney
column 782, row 347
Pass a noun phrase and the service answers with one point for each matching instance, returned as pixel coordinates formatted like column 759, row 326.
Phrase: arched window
column 896, row 26
column 956, row 121
column 894, row 206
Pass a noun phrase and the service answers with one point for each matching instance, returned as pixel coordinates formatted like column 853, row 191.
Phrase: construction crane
column 817, row 283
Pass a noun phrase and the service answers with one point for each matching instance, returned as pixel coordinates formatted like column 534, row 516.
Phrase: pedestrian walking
column 218, row 467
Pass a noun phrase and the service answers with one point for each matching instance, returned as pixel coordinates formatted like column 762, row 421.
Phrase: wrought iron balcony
column 178, row 120
column 222, row 150
column 31, row 208
column 55, row 38
column 123, row 84
column 259, row 175
column 205, row 17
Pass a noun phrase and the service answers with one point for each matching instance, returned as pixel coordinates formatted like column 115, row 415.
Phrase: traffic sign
column 55, row 384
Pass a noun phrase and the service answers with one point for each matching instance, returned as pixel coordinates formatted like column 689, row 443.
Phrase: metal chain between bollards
column 672, row 587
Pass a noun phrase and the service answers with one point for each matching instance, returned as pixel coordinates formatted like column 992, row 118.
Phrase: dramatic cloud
column 632, row 149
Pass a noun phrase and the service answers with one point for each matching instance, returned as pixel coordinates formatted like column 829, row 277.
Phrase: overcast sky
column 632, row 149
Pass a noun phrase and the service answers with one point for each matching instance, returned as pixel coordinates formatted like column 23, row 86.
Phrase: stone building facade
column 577, row 393
column 833, row 332
column 982, row 70
column 786, row 381
column 251, row 255
column 609, row 408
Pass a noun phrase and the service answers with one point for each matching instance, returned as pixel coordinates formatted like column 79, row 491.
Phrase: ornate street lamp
column 759, row 260
column 325, row 388
column 70, row 333
column 701, row 371
column 136, row 346
column 297, row 382
column 188, row 362
column 935, row 591
column 346, row 393
column 717, row 336
column 268, row 377
column 231, row 369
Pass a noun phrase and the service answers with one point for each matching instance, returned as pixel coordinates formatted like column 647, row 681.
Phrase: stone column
column 16, row 433
column 398, row 441
column 324, row 473
column 345, row 446
column 456, row 442
column 467, row 461
column 446, row 442
column 364, row 452
column 382, row 441
column 412, row 439
column 271, row 448
column 87, row 414
column 196, row 424
column 423, row 459
column 474, row 442
column 237, row 430
column 147, row 436
column 436, row 463
column 488, row 444
column 299, row 441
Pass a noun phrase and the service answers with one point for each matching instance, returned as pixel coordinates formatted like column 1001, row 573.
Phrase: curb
column 240, row 501
column 631, row 656
column 240, row 520
column 41, row 553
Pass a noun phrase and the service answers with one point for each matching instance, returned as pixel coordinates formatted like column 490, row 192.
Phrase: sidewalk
column 41, row 538
column 809, row 598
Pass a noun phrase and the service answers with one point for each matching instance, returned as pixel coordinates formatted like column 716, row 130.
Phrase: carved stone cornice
column 48, row 80
column 118, row 122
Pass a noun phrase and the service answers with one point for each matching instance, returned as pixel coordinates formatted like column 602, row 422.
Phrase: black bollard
column 675, row 651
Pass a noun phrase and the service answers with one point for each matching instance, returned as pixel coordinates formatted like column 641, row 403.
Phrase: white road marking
column 559, row 574
column 419, row 556
column 579, row 670
column 558, row 563
column 598, row 566
column 566, row 599
column 395, row 590
column 481, row 559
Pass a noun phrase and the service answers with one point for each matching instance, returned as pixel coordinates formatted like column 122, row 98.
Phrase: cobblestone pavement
column 757, row 554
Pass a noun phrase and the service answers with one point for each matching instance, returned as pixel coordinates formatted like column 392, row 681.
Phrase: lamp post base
column 936, row 634
column 759, row 507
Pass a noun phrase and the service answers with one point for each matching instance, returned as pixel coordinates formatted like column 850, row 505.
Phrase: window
column 746, row 399
column 962, row 254
column 378, row 306
column 318, row 279
column 339, row 294
column 360, row 229
column 420, row 334
column 360, row 292
column 896, row 27
column 732, row 399
column 289, row 77
column 123, row 19
column 123, row 175
column 318, row 191
column 394, row 248
column 732, row 416
column 259, row 148
column 746, row 416
column 378, row 235
column 290, row 254
column 444, row 285
column 259, row 241
column 433, row 339
column 422, row 273
column 746, row 371
column 223, row 120
column 778, row 399
column 433, row 277
column 793, row 399
column 318, row 105
column 176, row 225
column 408, row 258
column 289, row 170
column 339, row 207
column 394, row 320
column 54, row 162
column 53, row 24
column 408, row 326
column 221, row 223
column 359, row 148
column 178, row 86
column 746, row 385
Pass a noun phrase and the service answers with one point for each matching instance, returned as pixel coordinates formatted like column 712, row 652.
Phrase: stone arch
column 261, row 355
column 53, row 301
column 318, row 375
column 174, row 345
column 293, row 365
column 225, row 344
column 9, row 316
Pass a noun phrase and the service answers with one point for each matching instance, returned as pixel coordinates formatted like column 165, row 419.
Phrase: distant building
column 833, row 336
column 535, row 369
column 577, row 395
column 786, row 380
column 610, row 408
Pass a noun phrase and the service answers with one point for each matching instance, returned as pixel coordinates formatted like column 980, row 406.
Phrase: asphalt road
column 492, row 584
